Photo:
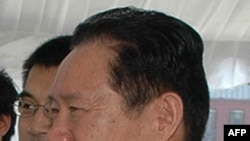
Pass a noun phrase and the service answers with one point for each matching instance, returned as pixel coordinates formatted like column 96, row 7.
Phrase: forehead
column 39, row 81
column 41, row 73
column 84, row 70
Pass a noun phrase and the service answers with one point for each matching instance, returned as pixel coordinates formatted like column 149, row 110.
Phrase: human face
column 37, row 87
column 87, row 109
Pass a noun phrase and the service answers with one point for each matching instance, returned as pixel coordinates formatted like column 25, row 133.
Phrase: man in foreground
column 133, row 75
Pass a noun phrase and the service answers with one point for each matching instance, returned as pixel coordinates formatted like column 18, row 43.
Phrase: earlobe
column 5, row 122
column 170, row 113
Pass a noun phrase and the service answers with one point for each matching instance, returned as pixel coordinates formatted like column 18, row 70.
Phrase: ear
column 170, row 114
column 5, row 122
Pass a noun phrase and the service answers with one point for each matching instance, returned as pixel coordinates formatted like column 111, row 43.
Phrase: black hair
column 50, row 53
column 8, row 94
column 156, row 53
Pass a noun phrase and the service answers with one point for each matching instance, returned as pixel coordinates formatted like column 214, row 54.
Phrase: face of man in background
column 36, row 90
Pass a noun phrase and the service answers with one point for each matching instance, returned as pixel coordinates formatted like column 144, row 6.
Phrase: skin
column 39, row 82
column 5, row 122
column 86, row 108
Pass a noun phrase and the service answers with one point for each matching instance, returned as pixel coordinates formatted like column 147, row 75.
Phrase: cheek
column 99, row 126
column 24, row 123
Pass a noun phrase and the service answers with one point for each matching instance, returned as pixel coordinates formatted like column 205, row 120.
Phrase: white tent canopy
column 223, row 24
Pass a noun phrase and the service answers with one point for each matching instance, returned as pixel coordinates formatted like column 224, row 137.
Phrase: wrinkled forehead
column 84, row 69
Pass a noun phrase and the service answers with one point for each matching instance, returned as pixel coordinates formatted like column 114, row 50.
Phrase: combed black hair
column 50, row 53
column 156, row 53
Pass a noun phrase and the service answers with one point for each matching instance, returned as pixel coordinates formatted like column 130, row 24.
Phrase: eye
column 73, row 109
column 26, row 108
column 26, row 105
column 52, row 110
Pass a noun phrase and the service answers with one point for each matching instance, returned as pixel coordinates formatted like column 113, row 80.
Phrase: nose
column 40, row 124
column 59, row 134
column 59, row 131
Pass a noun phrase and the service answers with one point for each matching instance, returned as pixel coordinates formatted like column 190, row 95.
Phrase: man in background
column 8, row 95
column 39, row 71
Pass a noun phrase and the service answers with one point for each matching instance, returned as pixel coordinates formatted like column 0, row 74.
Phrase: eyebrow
column 25, row 93
column 64, row 97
